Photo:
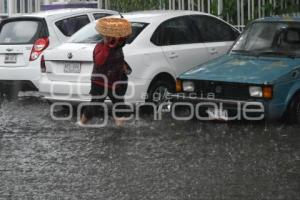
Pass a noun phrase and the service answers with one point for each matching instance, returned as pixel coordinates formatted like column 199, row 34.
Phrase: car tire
column 2, row 90
column 1, row 94
column 11, row 92
column 158, row 90
column 294, row 110
column 151, row 98
column 64, row 110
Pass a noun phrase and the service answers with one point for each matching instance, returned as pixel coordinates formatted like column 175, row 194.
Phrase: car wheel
column 64, row 110
column 11, row 92
column 2, row 92
column 294, row 110
column 158, row 91
column 2, row 89
column 1, row 96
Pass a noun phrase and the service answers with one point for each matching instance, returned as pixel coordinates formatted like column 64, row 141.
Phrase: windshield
column 88, row 34
column 269, row 38
column 18, row 32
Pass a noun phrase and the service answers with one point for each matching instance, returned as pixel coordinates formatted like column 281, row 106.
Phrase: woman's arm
column 101, row 54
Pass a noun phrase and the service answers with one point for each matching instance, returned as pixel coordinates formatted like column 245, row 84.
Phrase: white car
column 163, row 45
column 23, row 40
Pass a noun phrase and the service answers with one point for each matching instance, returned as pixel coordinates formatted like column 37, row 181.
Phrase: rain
column 167, row 159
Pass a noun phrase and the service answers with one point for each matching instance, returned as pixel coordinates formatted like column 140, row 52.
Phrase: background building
column 10, row 7
column 238, row 12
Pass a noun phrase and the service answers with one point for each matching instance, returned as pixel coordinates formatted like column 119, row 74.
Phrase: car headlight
column 261, row 92
column 188, row 86
column 255, row 91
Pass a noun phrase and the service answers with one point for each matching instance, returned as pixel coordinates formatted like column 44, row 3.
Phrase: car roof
column 286, row 18
column 62, row 12
column 158, row 15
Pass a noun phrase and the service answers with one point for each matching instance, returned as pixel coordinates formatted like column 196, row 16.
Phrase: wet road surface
column 162, row 160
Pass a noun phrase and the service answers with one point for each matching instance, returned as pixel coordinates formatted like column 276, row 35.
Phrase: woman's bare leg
column 84, row 119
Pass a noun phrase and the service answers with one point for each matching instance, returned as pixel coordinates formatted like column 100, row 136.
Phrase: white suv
column 163, row 45
column 23, row 40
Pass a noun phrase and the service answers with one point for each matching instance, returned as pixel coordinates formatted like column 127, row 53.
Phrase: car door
column 180, row 44
column 216, row 34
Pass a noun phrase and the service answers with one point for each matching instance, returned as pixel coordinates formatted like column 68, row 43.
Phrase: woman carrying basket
column 109, row 67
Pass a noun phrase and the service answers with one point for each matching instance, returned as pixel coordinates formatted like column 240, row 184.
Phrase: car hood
column 243, row 69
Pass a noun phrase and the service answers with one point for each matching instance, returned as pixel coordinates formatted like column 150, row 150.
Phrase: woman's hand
column 113, row 42
column 126, row 68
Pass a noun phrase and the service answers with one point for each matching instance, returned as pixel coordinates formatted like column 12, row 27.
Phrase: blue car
column 258, row 78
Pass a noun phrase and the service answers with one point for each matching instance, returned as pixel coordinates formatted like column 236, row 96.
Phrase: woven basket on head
column 114, row 27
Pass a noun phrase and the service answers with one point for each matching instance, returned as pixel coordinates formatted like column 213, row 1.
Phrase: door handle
column 213, row 51
column 173, row 55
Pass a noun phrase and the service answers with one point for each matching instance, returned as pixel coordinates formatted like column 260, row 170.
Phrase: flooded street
column 45, row 159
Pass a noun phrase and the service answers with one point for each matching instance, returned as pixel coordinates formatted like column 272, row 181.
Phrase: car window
column 262, row 35
column 20, row 31
column 214, row 30
column 88, row 34
column 69, row 26
column 100, row 15
column 137, row 28
column 269, row 39
column 175, row 31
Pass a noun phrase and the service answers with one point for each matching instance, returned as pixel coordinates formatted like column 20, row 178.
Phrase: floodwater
column 163, row 160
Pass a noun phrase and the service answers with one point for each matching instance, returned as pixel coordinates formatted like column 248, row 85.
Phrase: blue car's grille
column 223, row 90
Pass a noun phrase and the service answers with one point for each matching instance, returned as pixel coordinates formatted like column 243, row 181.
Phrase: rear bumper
column 234, row 107
column 30, row 73
column 76, row 92
column 62, row 91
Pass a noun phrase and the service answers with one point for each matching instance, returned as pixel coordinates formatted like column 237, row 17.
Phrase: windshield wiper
column 242, row 51
column 280, row 53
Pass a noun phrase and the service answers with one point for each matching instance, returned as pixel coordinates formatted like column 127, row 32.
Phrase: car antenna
column 121, row 15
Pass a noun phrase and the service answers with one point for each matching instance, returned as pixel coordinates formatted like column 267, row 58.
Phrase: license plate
column 217, row 114
column 10, row 58
column 72, row 68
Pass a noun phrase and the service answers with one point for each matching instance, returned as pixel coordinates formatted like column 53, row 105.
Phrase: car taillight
column 39, row 46
column 43, row 65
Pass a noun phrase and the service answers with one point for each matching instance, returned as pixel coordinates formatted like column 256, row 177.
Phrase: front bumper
column 237, row 109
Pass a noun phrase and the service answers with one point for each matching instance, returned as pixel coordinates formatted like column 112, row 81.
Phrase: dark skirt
column 97, row 92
